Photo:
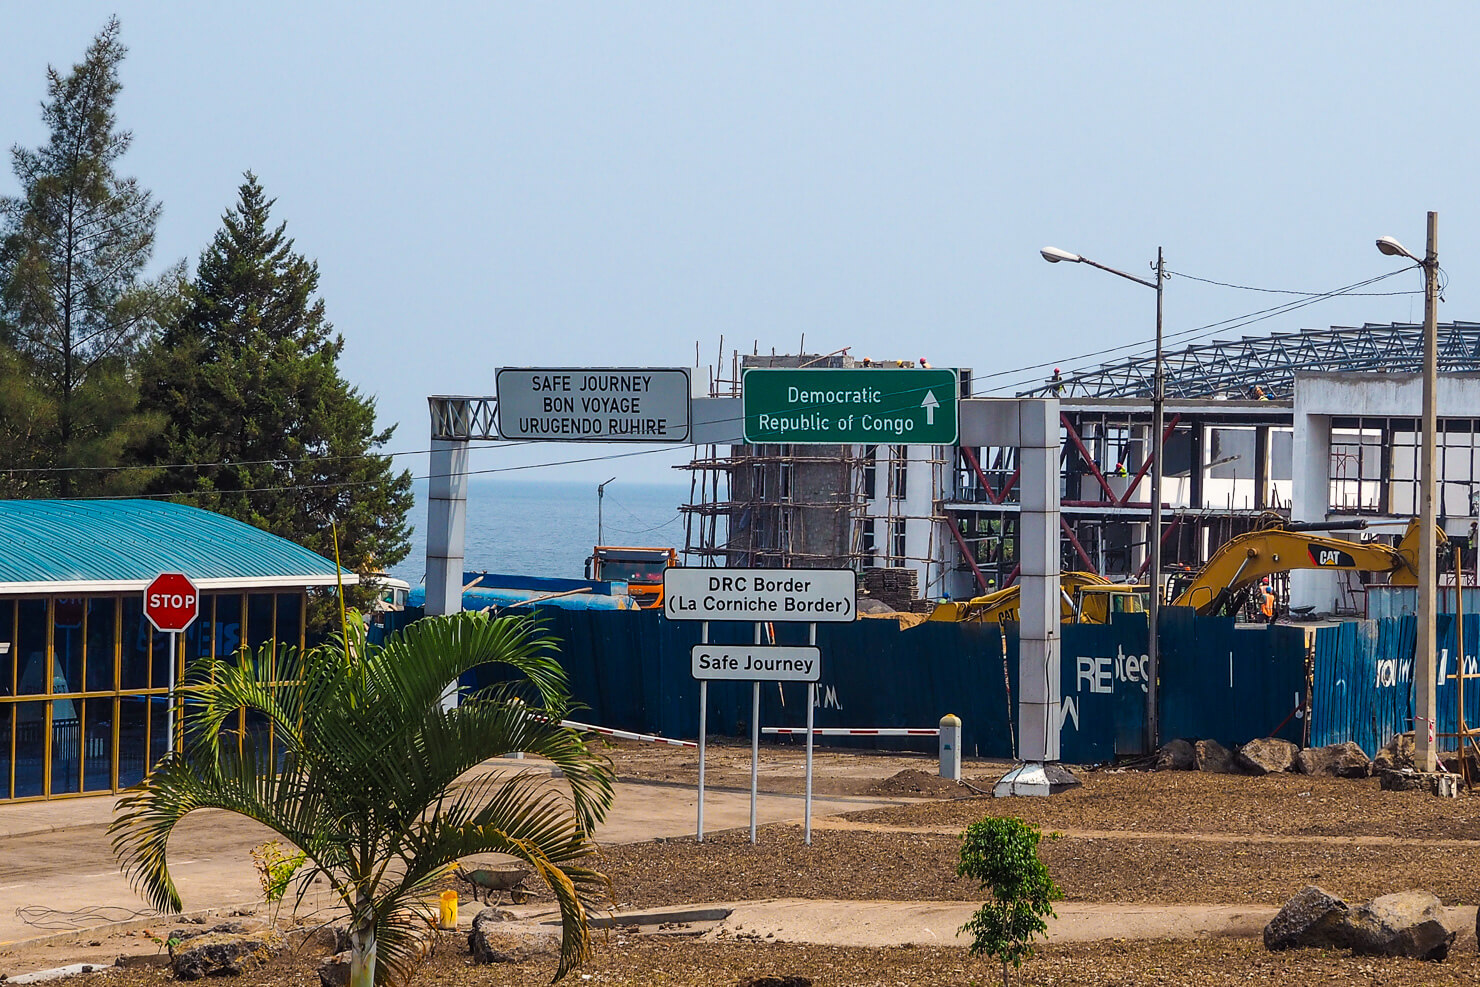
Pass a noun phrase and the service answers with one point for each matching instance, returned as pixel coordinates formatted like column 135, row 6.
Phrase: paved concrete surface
column 55, row 856
column 895, row 923
column 889, row 923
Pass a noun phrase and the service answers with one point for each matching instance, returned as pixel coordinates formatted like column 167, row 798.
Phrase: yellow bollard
column 447, row 917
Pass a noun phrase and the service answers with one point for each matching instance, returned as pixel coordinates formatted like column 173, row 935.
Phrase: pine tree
column 74, row 305
column 272, row 434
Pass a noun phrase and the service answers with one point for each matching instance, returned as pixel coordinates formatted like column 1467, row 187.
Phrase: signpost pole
column 171, row 603
column 755, row 740
column 170, row 700
column 703, row 709
column 811, row 703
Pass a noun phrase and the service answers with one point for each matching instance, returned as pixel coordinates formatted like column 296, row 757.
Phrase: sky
column 491, row 185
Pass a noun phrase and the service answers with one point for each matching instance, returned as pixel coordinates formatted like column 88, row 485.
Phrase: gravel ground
column 639, row 961
column 1129, row 837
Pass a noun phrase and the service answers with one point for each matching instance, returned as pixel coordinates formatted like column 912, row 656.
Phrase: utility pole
column 600, row 496
column 1425, row 707
column 1153, row 615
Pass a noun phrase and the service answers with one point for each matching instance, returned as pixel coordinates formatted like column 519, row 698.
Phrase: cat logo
column 1332, row 558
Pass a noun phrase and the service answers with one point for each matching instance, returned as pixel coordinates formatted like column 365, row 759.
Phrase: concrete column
column 1311, row 500
column 447, row 518
column 1038, row 627
column 1038, row 642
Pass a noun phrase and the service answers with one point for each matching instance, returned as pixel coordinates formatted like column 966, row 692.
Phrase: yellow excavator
column 1084, row 598
column 1223, row 585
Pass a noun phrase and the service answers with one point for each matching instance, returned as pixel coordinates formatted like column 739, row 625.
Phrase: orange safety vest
column 1268, row 602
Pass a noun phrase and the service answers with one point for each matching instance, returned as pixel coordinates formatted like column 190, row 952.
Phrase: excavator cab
column 1096, row 604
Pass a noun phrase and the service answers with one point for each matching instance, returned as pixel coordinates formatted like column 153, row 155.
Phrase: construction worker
column 1056, row 383
column 1267, row 602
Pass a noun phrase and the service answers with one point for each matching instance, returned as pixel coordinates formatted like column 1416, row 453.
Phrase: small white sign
column 753, row 662
column 613, row 404
column 800, row 595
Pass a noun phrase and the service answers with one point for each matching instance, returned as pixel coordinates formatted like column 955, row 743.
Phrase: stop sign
column 171, row 602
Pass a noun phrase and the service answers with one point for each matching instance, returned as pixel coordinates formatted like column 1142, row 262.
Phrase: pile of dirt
column 914, row 783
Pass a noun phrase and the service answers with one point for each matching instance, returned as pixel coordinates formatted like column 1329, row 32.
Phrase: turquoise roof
column 102, row 545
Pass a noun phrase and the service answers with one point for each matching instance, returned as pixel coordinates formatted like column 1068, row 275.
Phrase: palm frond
column 363, row 775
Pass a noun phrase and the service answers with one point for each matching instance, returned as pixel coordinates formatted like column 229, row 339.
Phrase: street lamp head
column 1392, row 248
column 1053, row 255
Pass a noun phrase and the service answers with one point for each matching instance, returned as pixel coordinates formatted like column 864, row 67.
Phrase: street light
column 1425, row 703
column 1158, row 396
column 600, row 495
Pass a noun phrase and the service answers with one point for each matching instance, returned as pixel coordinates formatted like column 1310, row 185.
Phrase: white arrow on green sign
column 865, row 406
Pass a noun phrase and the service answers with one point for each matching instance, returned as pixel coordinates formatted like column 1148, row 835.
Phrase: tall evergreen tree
column 74, row 304
column 268, row 430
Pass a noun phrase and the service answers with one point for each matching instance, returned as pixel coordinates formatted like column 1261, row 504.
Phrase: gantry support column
column 454, row 421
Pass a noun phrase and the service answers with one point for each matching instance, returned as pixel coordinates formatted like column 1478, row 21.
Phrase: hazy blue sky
column 492, row 184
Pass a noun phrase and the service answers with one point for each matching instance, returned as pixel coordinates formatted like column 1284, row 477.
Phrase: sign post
column 759, row 596
column 171, row 603
column 850, row 406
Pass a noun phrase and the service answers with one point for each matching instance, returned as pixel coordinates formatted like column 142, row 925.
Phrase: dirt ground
column 1167, row 839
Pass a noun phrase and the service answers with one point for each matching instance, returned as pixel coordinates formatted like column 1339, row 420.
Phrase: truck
column 1223, row 585
column 641, row 568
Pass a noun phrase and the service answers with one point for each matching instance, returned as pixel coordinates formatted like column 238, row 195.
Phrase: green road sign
column 858, row 406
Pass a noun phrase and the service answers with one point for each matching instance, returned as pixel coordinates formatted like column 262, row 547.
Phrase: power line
column 1184, row 335
column 243, row 462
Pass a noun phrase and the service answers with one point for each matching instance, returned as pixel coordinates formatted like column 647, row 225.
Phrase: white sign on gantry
column 569, row 404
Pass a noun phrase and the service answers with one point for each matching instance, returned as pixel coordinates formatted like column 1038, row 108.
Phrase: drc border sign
column 850, row 406
column 802, row 595
column 568, row 404
column 752, row 663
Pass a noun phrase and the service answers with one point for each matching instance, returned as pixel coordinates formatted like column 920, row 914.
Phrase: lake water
column 547, row 528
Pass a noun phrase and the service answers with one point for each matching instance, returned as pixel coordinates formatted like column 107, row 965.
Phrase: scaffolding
column 819, row 506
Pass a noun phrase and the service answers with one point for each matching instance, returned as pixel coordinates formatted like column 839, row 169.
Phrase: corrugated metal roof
column 120, row 545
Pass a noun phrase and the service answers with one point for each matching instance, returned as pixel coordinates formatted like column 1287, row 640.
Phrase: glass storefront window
column 228, row 630
column 259, row 620
column 101, row 652
column 30, row 648
column 97, row 747
column 159, row 657
column 66, row 727
column 133, row 738
column 8, row 654
column 30, row 748
column 7, row 725
column 66, row 746
column 290, row 619
column 134, row 649
column 159, row 730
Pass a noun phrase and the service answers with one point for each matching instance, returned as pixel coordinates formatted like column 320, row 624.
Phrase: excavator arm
column 1222, row 585
column 1002, row 606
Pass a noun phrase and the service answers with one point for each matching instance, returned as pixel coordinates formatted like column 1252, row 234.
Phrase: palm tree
column 364, row 781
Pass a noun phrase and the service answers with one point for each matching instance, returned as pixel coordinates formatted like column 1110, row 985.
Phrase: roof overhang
column 247, row 584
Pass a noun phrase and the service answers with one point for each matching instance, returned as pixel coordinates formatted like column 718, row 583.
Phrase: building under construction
column 874, row 508
column 948, row 515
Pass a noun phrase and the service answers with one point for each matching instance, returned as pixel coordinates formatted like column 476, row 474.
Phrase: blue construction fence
column 1362, row 679
column 632, row 671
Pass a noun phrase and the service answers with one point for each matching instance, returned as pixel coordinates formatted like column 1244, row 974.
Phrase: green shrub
column 1002, row 853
